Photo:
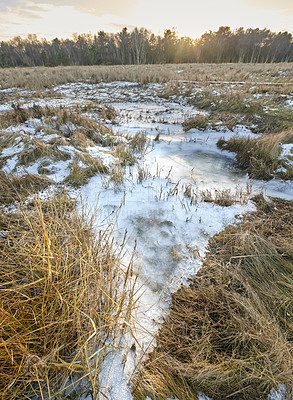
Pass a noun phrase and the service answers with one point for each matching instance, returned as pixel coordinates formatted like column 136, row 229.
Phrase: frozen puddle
column 163, row 205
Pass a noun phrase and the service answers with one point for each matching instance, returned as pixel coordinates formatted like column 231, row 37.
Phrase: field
column 146, row 232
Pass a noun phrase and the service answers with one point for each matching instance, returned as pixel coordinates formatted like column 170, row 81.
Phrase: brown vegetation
column 229, row 334
column 80, row 174
column 14, row 188
column 61, row 303
column 36, row 78
column 260, row 156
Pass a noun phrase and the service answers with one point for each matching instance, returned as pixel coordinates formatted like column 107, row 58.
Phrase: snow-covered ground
column 162, row 202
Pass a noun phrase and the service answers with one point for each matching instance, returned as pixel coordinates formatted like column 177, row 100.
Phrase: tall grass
column 259, row 156
column 36, row 78
column 64, row 300
column 14, row 188
column 229, row 334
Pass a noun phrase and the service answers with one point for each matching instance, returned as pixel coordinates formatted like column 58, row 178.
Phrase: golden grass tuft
column 259, row 156
column 38, row 149
column 63, row 300
column 83, row 168
column 125, row 154
column 199, row 122
column 16, row 188
column 229, row 334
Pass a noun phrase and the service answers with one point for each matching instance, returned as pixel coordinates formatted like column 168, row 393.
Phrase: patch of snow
column 59, row 171
column 11, row 151
column 10, row 164
column 101, row 153
column 278, row 394
column 287, row 150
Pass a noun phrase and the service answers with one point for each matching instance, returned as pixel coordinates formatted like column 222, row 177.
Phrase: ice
column 170, row 231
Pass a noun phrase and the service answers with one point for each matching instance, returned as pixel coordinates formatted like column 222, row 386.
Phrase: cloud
column 98, row 7
column 24, row 9
column 6, row 4
column 281, row 5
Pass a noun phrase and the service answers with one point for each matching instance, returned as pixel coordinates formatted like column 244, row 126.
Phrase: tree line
column 140, row 46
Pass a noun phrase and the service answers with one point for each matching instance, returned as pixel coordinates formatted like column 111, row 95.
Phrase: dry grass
column 221, row 197
column 235, row 101
column 139, row 143
column 199, row 122
column 259, row 156
column 14, row 188
column 83, row 168
column 37, row 78
column 229, row 107
column 70, row 124
column 64, row 299
column 125, row 154
column 229, row 334
column 117, row 175
column 39, row 150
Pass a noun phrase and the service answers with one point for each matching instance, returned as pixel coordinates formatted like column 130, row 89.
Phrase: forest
column 141, row 46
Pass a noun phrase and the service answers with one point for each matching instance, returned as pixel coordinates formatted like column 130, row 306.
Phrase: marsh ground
column 167, row 156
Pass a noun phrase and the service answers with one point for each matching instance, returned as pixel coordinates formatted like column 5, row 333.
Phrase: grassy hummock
column 260, row 157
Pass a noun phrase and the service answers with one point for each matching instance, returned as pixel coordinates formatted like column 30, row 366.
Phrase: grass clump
column 272, row 120
column 116, row 176
column 59, row 119
column 229, row 334
column 260, row 157
column 139, row 142
column 63, row 300
column 227, row 101
column 39, row 149
column 125, row 154
column 17, row 188
column 199, row 122
column 83, row 168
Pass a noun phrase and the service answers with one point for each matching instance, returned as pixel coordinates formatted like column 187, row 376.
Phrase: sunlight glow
column 189, row 19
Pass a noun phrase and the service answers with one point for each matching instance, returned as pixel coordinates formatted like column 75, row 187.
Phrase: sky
column 62, row 18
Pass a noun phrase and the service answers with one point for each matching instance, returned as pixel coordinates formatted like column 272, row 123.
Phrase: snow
column 171, row 230
column 10, row 164
column 279, row 394
column 287, row 150
column 10, row 151
column 103, row 154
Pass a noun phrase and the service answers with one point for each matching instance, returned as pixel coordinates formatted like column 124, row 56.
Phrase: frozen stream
column 161, row 205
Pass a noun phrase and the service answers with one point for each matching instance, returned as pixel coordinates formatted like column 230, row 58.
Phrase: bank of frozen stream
column 163, row 211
